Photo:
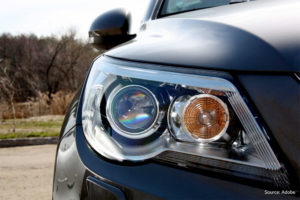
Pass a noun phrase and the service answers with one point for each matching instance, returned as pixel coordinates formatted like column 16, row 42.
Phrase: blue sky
column 46, row 17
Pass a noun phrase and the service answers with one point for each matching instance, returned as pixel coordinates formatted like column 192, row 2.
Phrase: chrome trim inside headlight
column 245, row 149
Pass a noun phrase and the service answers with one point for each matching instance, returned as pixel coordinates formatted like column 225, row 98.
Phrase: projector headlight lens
column 132, row 110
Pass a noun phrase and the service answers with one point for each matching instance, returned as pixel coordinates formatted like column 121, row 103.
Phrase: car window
column 177, row 6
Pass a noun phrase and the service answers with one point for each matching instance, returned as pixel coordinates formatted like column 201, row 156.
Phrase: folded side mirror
column 110, row 29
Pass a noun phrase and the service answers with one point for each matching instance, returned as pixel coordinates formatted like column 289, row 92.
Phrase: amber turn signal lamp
column 206, row 117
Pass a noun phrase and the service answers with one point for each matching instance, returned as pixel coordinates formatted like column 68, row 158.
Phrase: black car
column 201, row 103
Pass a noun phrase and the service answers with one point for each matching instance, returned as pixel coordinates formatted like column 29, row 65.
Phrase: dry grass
column 39, row 106
column 37, row 117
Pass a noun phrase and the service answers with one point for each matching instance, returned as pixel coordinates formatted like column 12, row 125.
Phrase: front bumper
column 81, row 173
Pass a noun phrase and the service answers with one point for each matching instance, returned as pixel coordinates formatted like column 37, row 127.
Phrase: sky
column 48, row 17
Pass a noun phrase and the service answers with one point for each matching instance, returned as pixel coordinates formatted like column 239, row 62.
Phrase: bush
column 41, row 105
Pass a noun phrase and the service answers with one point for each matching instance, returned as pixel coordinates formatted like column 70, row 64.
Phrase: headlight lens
column 133, row 113
column 132, row 110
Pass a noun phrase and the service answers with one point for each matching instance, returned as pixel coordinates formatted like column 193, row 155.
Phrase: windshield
column 177, row 6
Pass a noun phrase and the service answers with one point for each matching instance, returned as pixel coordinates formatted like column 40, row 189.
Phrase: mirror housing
column 110, row 29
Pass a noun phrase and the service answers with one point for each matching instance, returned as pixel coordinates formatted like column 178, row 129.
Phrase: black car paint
column 260, row 80
column 214, row 39
column 110, row 29
column 278, row 104
column 210, row 40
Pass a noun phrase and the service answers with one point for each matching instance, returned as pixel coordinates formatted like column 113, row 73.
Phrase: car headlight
column 133, row 113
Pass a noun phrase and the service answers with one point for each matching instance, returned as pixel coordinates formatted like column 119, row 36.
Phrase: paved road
column 26, row 172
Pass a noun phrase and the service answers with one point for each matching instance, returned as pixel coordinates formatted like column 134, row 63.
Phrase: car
column 202, row 102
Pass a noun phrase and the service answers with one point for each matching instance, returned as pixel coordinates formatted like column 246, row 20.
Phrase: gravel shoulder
column 27, row 172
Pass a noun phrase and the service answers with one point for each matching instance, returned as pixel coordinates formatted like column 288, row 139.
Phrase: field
column 41, row 126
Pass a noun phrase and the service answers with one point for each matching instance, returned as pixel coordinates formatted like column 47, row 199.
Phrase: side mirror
column 110, row 29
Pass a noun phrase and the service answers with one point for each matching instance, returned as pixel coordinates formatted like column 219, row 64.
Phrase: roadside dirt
column 26, row 172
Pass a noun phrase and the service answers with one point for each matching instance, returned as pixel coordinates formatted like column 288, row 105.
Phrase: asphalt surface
column 26, row 172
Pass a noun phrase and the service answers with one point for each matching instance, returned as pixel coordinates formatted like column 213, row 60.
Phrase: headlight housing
column 131, row 113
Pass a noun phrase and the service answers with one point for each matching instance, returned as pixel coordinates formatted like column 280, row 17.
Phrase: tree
column 31, row 65
column 7, row 90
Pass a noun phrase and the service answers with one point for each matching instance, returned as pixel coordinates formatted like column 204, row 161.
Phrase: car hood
column 254, row 36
